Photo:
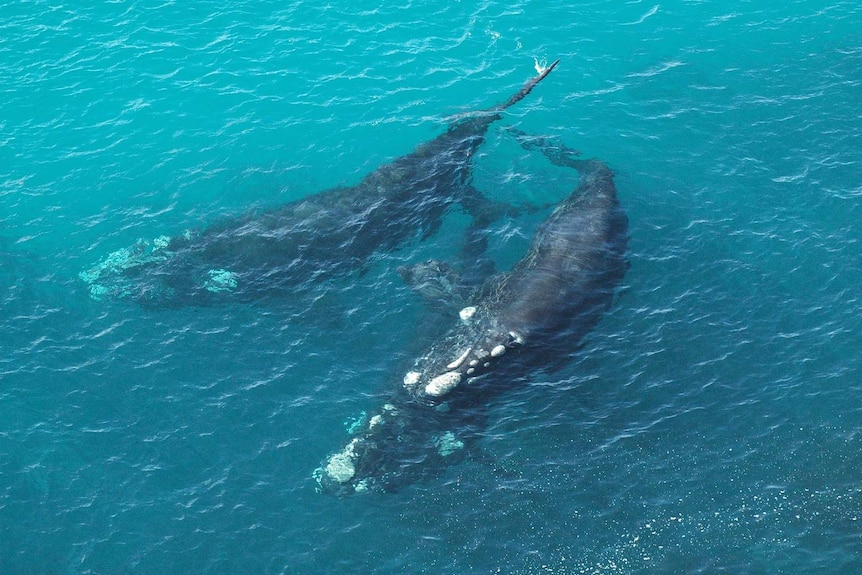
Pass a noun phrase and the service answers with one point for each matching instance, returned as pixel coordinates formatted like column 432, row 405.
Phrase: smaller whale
column 529, row 319
column 299, row 244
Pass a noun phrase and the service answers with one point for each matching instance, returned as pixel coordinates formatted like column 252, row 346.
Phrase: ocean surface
column 710, row 423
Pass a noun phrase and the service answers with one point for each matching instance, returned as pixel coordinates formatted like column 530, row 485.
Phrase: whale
column 299, row 244
column 532, row 318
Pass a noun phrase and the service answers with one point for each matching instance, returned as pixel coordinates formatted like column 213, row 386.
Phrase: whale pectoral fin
column 485, row 211
column 437, row 282
column 557, row 153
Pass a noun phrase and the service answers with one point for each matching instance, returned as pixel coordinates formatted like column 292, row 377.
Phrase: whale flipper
column 557, row 153
column 434, row 280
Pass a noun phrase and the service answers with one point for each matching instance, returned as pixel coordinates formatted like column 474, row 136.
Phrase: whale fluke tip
column 543, row 70
column 527, row 87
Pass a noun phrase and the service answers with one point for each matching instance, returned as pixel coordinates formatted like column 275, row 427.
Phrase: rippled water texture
column 710, row 423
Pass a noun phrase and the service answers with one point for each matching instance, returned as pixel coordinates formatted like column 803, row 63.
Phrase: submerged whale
column 531, row 318
column 334, row 231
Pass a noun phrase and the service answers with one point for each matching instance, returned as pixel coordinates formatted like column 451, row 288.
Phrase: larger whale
column 295, row 245
column 531, row 318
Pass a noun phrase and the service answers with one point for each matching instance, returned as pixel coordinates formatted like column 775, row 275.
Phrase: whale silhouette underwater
column 531, row 318
column 332, row 232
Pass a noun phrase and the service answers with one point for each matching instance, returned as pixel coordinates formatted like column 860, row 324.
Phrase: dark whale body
column 335, row 231
column 529, row 319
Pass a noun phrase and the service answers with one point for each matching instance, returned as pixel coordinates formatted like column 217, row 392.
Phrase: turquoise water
column 711, row 423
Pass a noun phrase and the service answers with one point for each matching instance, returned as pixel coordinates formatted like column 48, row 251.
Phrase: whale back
column 528, row 319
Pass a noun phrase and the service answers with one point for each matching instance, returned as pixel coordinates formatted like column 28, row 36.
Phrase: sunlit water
column 711, row 423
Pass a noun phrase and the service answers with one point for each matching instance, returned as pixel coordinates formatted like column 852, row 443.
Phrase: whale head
column 394, row 447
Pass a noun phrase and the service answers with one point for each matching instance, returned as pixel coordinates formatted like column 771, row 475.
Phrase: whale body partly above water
column 334, row 231
column 529, row 319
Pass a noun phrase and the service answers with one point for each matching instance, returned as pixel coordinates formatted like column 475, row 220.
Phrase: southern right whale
column 529, row 319
column 334, row 231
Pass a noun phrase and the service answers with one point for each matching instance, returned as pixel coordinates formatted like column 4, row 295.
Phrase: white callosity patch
column 116, row 261
column 443, row 384
column 114, row 264
column 375, row 421
column 384, row 416
column 411, row 379
column 465, row 354
column 467, row 313
column 221, row 281
column 340, row 467
column 109, row 271
column 161, row 243
column 478, row 356
column 447, row 444
column 460, row 359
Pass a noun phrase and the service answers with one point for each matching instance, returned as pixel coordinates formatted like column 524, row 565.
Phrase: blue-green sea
column 711, row 423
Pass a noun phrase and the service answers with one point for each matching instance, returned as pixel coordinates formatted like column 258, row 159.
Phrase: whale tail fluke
column 480, row 120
